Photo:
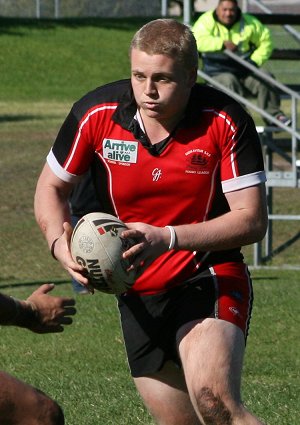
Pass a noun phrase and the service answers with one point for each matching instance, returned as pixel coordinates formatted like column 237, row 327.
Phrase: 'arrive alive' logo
column 120, row 150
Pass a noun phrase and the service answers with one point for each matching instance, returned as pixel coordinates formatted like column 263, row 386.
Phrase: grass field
column 45, row 67
column 85, row 369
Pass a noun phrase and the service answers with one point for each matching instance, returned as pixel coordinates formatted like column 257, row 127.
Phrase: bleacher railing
column 275, row 178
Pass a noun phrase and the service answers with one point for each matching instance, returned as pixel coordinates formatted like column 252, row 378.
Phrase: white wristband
column 173, row 237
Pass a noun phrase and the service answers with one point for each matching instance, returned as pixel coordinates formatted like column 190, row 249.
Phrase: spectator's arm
column 262, row 38
column 206, row 40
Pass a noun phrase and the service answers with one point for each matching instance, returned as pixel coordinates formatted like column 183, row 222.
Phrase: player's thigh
column 212, row 353
column 166, row 398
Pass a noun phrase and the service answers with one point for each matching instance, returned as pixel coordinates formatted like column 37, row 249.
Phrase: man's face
column 227, row 12
column 161, row 85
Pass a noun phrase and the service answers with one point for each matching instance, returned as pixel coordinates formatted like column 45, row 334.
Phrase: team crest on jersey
column 121, row 151
column 197, row 161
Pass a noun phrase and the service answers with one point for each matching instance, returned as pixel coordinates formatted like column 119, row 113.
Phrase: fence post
column 187, row 12
column 56, row 9
column 38, row 9
column 245, row 6
column 164, row 8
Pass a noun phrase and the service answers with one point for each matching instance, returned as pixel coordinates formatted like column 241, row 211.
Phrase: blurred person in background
column 226, row 27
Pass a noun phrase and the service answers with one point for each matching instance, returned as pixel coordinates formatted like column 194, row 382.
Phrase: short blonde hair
column 167, row 37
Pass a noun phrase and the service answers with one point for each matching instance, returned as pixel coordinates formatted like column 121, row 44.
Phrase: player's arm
column 52, row 214
column 51, row 204
column 244, row 224
column 41, row 312
column 262, row 39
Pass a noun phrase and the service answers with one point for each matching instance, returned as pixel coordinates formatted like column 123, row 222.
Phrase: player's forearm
column 51, row 211
column 234, row 229
column 244, row 224
column 8, row 310
column 15, row 312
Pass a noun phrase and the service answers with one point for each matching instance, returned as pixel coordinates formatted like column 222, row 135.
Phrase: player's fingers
column 67, row 301
column 73, row 266
column 45, row 288
column 69, row 311
column 134, row 251
column 132, row 234
column 68, row 229
column 83, row 280
column 66, row 320
column 79, row 275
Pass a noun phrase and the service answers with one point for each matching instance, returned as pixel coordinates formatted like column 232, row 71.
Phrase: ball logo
column 126, row 243
column 114, row 231
column 94, row 270
column 80, row 261
column 97, row 245
column 86, row 244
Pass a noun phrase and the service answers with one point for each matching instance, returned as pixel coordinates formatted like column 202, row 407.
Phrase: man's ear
column 192, row 78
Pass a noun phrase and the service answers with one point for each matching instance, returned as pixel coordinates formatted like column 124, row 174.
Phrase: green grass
column 44, row 68
column 61, row 60
column 85, row 368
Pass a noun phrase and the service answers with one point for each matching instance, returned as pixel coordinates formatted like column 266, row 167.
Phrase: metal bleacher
column 280, row 142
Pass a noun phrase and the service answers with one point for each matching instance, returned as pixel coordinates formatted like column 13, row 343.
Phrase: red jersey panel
column 214, row 150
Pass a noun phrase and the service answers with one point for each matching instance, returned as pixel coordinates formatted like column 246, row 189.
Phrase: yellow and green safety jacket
column 253, row 39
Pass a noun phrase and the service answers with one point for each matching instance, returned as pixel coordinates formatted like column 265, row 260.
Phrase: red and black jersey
column 215, row 149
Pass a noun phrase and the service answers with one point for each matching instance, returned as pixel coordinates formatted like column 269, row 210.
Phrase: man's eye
column 139, row 77
column 163, row 78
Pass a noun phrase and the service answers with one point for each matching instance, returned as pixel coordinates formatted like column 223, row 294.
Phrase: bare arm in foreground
column 40, row 312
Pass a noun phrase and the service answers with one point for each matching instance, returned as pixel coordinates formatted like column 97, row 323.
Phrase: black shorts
column 150, row 322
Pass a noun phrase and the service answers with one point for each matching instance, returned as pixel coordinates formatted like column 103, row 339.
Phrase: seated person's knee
column 230, row 81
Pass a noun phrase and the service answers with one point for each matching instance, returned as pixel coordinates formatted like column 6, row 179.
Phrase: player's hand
column 43, row 313
column 63, row 254
column 230, row 45
column 151, row 242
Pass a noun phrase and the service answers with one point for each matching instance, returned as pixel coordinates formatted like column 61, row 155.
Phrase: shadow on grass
column 20, row 118
column 12, row 26
column 34, row 283
column 281, row 248
column 260, row 277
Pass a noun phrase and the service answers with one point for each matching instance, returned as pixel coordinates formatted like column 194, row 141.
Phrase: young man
column 227, row 27
column 181, row 164
column 20, row 403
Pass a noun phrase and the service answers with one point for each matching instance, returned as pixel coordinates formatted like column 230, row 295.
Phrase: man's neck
column 157, row 130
